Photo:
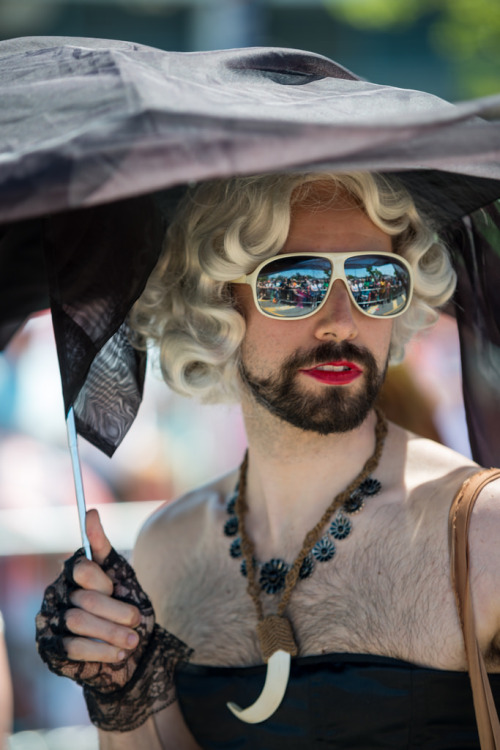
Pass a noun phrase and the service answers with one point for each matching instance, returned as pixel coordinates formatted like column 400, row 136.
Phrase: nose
column 336, row 317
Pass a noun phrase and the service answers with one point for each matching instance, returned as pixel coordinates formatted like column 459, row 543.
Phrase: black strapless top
column 336, row 701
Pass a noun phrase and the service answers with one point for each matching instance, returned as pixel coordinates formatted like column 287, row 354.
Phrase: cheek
column 379, row 335
column 267, row 342
column 269, row 333
column 269, row 336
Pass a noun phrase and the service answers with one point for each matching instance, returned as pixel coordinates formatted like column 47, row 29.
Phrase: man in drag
column 303, row 600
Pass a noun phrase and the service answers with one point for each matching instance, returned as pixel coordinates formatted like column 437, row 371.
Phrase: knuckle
column 82, row 572
column 88, row 575
column 88, row 600
column 71, row 649
column 75, row 620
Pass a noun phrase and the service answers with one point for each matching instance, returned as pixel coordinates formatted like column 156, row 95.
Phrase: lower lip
column 331, row 377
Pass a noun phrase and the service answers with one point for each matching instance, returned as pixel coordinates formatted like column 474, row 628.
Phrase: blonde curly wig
column 222, row 229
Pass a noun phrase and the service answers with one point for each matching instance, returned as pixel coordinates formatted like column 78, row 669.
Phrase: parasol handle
column 77, row 476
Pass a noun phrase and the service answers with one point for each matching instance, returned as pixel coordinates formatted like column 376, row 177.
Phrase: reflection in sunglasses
column 292, row 288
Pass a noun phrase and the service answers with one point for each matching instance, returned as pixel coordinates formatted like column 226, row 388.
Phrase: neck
column 294, row 474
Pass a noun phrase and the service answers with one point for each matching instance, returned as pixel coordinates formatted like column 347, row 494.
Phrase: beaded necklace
column 275, row 631
column 272, row 574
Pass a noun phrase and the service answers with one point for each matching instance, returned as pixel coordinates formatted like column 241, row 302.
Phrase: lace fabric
column 120, row 696
column 102, row 374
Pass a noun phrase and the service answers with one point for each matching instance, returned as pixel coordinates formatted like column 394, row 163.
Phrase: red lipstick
column 334, row 373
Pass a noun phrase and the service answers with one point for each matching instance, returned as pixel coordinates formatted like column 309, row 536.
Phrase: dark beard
column 334, row 410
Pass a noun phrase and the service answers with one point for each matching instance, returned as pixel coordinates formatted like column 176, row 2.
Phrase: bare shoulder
column 169, row 536
column 434, row 459
column 436, row 472
column 428, row 466
column 438, row 465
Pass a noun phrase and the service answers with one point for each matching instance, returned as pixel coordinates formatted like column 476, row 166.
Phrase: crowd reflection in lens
column 379, row 291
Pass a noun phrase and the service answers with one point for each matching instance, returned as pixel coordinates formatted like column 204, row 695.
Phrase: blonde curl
column 222, row 229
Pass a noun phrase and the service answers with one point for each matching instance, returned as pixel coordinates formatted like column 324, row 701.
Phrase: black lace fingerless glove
column 120, row 696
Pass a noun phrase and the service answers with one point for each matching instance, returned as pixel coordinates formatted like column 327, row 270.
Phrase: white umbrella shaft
column 77, row 476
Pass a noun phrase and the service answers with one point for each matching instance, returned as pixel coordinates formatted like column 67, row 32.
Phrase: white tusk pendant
column 277, row 673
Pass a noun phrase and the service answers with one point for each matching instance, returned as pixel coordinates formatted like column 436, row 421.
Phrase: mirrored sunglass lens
column 293, row 287
column 380, row 286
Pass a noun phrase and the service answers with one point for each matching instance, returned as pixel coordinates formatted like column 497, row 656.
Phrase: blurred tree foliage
column 465, row 32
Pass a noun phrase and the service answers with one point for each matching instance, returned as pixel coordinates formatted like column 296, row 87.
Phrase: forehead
column 332, row 221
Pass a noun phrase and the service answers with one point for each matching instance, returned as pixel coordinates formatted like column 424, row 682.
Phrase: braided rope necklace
column 275, row 631
column 273, row 573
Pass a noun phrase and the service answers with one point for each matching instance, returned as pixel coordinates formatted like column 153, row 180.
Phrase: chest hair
column 386, row 591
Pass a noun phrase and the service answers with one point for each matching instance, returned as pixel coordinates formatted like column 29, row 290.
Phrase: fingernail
column 121, row 655
column 132, row 639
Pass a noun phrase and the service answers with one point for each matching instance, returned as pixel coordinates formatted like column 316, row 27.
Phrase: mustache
column 330, row 352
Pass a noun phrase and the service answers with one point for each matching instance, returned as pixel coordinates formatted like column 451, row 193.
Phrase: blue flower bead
column 272, row 576
column 340, row 527
column 231, row 526
column 354, row 503
column 235, row 548
column 324, row 550
column 370, row 486
column 231, row 503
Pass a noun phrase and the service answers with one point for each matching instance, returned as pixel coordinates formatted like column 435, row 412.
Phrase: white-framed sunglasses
column 297, row 285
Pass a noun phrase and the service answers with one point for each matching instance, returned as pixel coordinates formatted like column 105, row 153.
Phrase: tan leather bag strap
column 459, row 519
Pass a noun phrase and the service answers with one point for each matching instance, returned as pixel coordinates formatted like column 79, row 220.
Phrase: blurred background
column 448, row 47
